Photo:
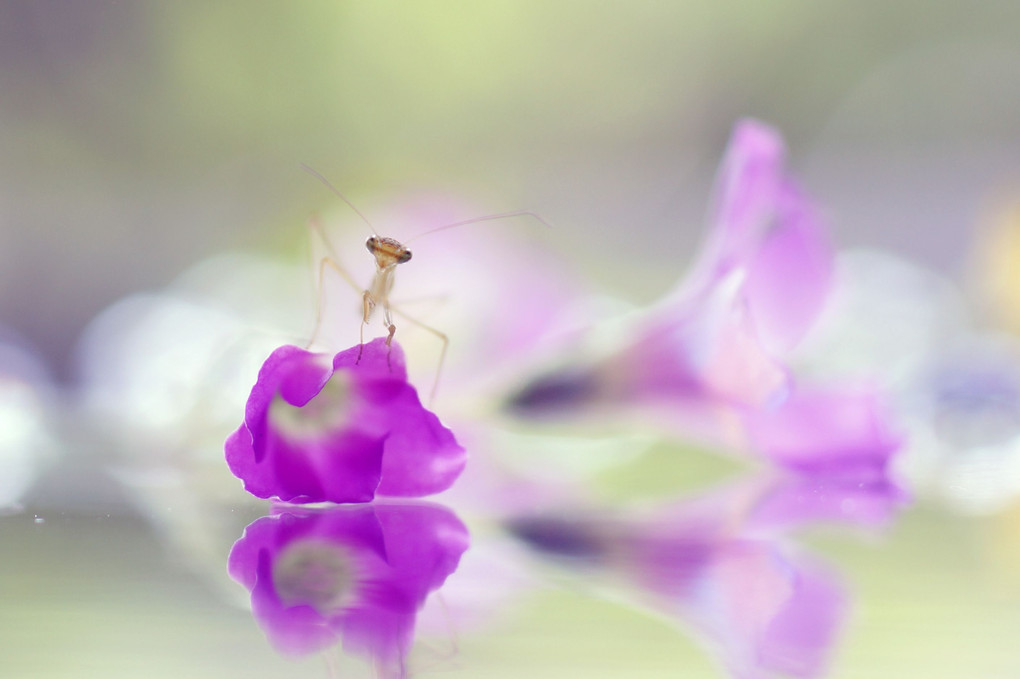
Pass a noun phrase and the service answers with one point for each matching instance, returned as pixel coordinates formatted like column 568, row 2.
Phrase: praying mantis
column 388, row 253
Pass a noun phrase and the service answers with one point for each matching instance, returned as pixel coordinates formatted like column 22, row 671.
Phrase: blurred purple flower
column 710, row 360
column 355, row 574
column 344, row 430
column 718, row 340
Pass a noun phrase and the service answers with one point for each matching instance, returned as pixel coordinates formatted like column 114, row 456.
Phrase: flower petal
column 420, row 456
column 317, row 431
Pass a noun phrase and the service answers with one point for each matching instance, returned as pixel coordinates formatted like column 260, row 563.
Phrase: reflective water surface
column 106, row 594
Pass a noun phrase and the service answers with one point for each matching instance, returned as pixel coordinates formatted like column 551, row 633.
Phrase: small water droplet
column 39, row 519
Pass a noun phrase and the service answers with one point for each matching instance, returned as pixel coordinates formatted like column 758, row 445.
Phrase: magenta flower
column 340, row 430
column 354, row 574
column 719, row 339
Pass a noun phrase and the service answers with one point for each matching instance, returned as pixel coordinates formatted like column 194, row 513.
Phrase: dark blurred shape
column 559, row 537
column 554, row 392
column 974, row 397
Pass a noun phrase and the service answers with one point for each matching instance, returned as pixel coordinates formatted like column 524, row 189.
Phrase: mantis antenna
column 486, row 218
column 339, row 195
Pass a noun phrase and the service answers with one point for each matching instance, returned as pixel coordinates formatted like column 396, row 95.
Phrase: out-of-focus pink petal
column 747, row 184
column 836, row 430
column 788, row 279
column 835, row 445
column 734, row 365
column 799, row 639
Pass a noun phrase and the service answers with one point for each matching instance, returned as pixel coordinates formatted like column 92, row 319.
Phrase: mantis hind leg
column 335, row 266
column 332, row 261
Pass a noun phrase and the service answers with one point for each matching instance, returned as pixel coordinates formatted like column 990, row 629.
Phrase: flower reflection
column 356, row 575
column 718, row 564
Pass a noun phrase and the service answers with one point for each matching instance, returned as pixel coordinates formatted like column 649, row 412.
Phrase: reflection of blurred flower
column 317, row 430
column 26, row 442
column 716, row 565
column 356, row 574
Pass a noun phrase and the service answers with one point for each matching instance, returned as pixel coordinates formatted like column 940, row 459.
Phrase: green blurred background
column 137, row 138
